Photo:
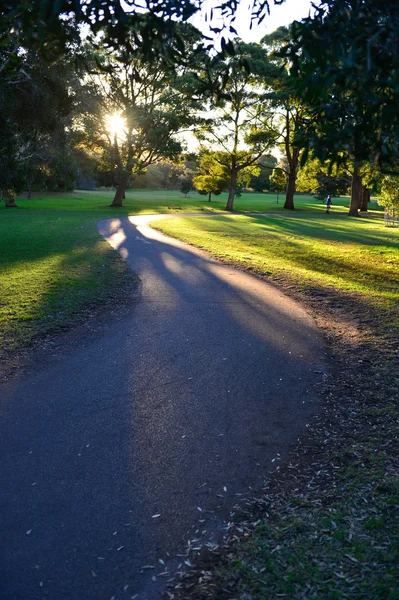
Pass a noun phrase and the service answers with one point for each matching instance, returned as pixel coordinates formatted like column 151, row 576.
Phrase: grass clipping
column 327, row 524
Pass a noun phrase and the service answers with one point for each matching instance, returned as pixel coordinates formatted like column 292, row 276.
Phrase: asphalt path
column 131, row 442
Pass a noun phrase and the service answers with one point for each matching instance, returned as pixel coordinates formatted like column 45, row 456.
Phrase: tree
column 46, row 26
column 278, row 180
column 345, row 66
column 211, row 176
column 138, row 112
column 35, row 108
column 242, row 126
column 389, row 196
column 289, row 107
column 50, row 27
column 186, row 185
column 322, row 179
column 266, row 165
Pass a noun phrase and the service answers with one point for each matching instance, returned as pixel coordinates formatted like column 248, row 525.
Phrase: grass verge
column 55, row 269
column 327, row 524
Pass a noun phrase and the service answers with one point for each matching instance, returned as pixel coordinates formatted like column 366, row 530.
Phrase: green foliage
column 344, row 67
column 291, row 110
column 278, row 180
column 186, row 185
column 51, row 26
column 307, row 176
column 150, row 106
column 36, row 106
column 242, row 128
column 322, row 179
column 211, row 176
column 389, row 192
column 214, row 173
column 261, row 181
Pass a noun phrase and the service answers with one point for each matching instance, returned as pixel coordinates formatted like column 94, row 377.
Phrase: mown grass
column 54, row 265
column 51, row 268
column 161, row 201
column 327, row 252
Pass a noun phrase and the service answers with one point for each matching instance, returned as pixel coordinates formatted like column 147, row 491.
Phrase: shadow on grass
column 353, row 271
column 50, row 270
column 334, row 227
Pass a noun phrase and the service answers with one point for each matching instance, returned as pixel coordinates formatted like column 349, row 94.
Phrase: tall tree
column 345, row 65
column 35, row 105
column 138, row 112
column 242, row 124
column 214, row 173
column 289, row 107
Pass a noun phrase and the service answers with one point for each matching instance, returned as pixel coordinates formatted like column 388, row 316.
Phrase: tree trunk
column 232, row 190
column 120, row 192
column 293, row 163
column 356, row 193
column 9, row 198
column 30, row 190
column 289, row 197
column 210, row 196
column 365, row 199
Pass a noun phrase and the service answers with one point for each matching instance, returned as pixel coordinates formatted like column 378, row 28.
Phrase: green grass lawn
column 331, row 252
column 161, row 201
column 53, row 265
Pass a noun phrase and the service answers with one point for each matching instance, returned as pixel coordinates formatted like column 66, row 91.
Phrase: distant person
column 328, row 204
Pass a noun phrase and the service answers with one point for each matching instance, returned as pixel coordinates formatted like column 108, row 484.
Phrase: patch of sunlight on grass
column 350, row 255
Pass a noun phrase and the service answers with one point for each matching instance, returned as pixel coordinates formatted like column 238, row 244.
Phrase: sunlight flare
column 116, row 125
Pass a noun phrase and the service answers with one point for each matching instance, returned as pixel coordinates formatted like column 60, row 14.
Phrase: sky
column 290, row 10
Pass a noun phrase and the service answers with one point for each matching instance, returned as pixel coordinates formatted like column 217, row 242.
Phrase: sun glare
column 116, row 125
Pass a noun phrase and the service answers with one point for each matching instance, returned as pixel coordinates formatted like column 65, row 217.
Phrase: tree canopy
column 139, row 110
column 345, row 66
column 36, row 105
column 51, row 26
column 325, row 88
column 242, row 126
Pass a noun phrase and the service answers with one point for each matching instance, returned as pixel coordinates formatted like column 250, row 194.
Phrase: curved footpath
column 120, row 449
